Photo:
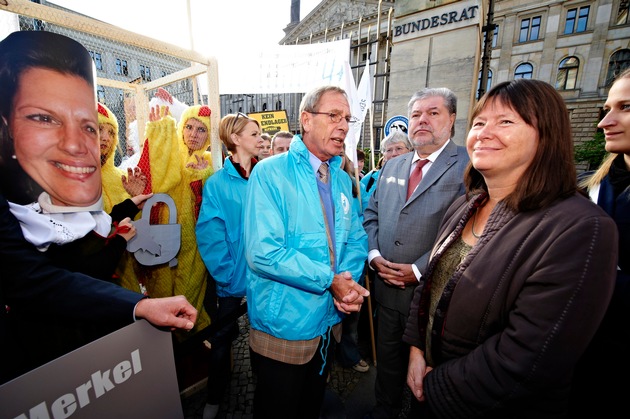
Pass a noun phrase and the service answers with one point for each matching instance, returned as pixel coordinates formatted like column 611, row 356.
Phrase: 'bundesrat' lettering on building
column 435, row 21
column 100, row 383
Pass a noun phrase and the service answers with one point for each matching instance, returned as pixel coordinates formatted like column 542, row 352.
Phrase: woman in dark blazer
column 598, row 388
column 521, row 272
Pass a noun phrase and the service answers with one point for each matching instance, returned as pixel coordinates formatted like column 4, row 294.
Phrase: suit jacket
column 32, row 288
column 404, row 231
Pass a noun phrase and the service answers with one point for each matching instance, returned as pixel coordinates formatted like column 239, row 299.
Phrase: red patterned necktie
column 415, row 177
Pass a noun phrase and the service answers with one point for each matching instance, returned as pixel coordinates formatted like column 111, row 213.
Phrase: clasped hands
column 395, row 274
column 348, row 295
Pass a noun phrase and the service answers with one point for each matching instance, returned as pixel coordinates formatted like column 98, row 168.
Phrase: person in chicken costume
column 176, row 161
column 113, row 189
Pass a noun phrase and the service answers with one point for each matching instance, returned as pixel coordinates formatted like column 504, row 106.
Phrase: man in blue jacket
column 305, row 249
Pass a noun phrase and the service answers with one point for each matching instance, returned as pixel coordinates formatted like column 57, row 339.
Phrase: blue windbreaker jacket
column 220, row 230
column 286, row 246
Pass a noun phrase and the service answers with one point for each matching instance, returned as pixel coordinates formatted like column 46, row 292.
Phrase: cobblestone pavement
column 239, row 399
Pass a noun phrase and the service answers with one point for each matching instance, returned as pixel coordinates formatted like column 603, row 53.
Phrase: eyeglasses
column 238, row 115
column 337, row 117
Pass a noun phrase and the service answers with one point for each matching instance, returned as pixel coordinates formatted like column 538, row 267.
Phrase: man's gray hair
column 450, row 100
column 310, row 101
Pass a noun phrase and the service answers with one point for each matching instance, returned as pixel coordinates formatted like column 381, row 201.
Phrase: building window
column 279, row 105
column 121, row 67
column 524, row 71
column 145, row 72
column 577, row 20
column 495, row 36
column 567, row 73
column 100, row 93
column 619, row 61
column 264, row 106
column 622, row 13
column 530, row 29
column 488, row 84
column 96, row 57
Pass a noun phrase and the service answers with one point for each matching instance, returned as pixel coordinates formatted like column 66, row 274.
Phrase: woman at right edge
column 600, row 387
column 521, row 273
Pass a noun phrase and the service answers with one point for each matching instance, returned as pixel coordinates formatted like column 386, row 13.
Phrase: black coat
column 600, row 385
column 31, row 288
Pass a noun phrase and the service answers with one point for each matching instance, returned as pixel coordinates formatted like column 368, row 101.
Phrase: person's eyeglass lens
column 336, row 117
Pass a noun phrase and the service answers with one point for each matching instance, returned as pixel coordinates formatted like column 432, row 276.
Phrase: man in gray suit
column 412, row 194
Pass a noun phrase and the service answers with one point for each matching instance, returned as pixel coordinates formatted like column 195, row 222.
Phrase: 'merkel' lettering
column 100, row 383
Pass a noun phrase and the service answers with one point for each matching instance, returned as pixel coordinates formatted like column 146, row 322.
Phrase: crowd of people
column 500, row 284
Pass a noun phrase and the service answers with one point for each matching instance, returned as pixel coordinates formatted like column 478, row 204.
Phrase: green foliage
column 591, row 151
column 368, row 156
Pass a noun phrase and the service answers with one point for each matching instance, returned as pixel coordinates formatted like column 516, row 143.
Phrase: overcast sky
column 219, row 27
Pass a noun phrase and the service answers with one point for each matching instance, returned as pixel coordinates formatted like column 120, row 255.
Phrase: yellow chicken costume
column 113, row 190
column 165, row 160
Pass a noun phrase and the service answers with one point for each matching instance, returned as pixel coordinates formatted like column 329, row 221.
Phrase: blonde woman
column 595, row 387
column 219, row 237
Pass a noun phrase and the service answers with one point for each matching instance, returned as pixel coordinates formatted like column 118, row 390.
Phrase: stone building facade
column 576, row 45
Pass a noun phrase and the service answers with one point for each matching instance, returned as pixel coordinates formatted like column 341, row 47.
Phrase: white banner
column 360, row 103
column 364, row 92
column 285, row 68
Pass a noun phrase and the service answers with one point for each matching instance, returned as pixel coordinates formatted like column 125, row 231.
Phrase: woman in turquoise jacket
column 289, row 273
column 219, row 231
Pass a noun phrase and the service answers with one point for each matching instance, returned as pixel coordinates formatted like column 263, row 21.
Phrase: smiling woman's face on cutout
column 54, row 127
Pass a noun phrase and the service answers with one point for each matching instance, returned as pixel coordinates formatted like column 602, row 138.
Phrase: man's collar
column 433, row 156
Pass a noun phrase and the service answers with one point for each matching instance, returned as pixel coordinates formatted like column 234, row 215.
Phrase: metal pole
column 388, row 40
column 196, row 98
column 487, row 49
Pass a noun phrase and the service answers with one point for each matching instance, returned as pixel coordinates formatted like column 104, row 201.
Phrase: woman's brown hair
column 551, row 175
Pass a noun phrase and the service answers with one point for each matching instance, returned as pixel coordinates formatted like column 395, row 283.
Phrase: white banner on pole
column 285, row 68
column 364, row 92
column 360, row 103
